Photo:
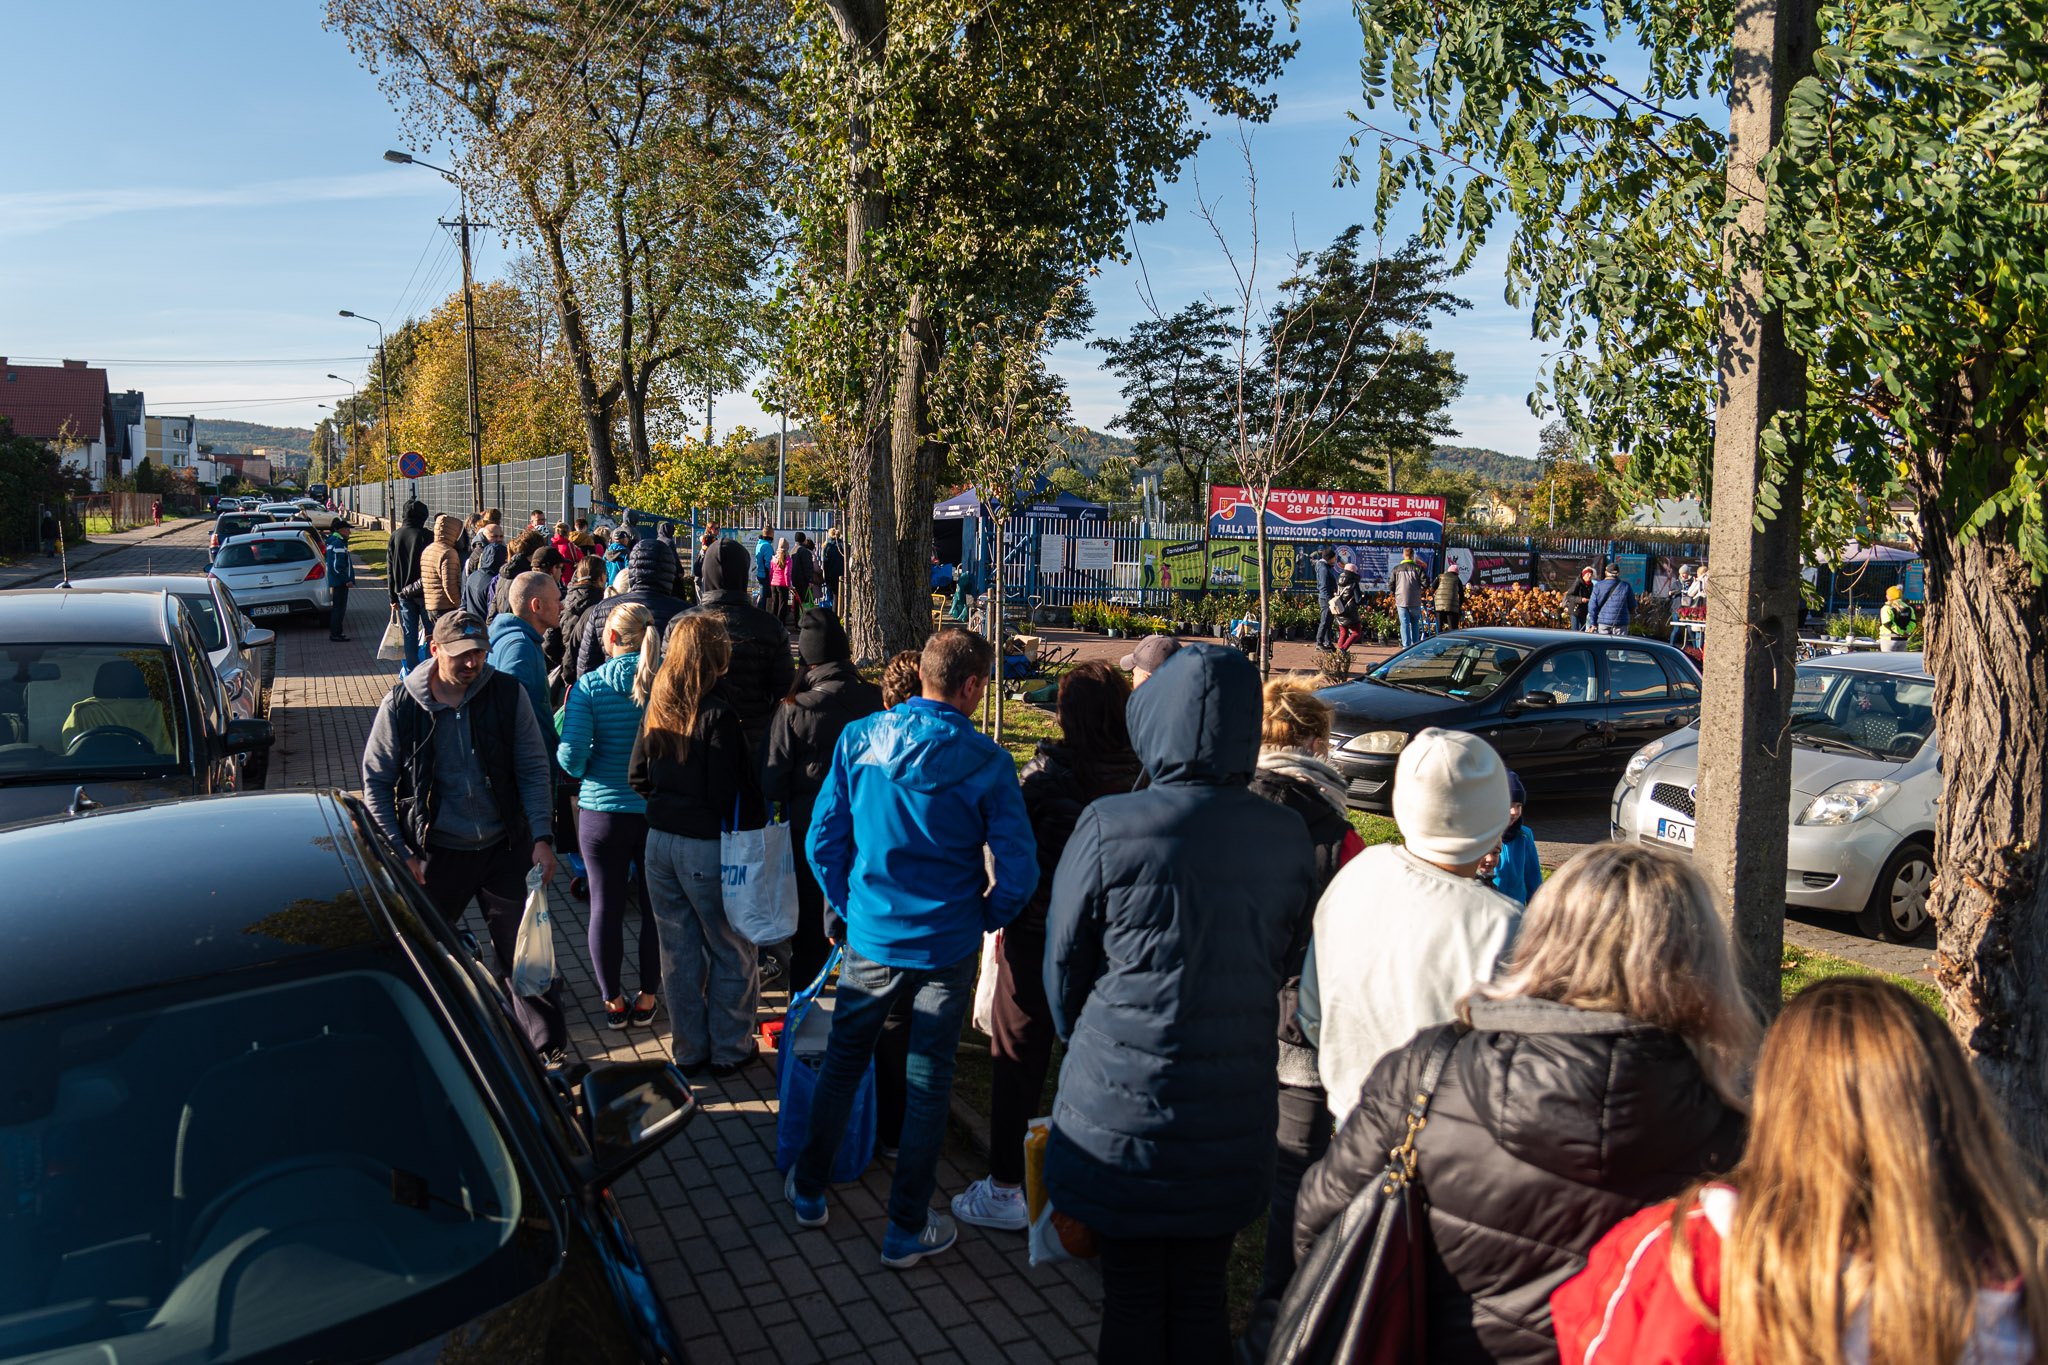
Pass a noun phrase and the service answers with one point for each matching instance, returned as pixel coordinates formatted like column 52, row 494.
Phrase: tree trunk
column 996, row 593
column 917, row 459
column 1745, row 763
column 593, row 400
column 1987, row 637
column 1265, row 659
column 873, row 595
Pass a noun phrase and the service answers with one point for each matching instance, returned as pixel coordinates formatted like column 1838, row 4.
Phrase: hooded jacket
column 408, row 543
column 482, row 583
column 1173, row 915
column 650, row 581
column 516, row 651
column 441, row 568
column 577, row 603
column 897, row 834
column 761, row 671
column 803, row 734
column 1549, row 1126
column 1450, row 592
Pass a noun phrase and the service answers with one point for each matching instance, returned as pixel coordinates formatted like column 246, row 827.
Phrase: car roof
column 52, row 615
column 1535, row 637
column 187, row 583
column 78, row 925
column 278, row 531
column 1871, row 662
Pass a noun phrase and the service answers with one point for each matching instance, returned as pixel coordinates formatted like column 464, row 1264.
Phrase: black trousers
column 808, row 946
column 1164, row 1300
column 1304, row 1136
column 1020, row 1050
column 495, row 878
column 337, row 614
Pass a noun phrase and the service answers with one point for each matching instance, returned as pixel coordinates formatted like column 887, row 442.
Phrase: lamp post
column 476, row 431
column 384, row 400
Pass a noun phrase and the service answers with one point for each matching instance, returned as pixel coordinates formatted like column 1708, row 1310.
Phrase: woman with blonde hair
column 600, row 721
column 692, row 765
column 1601, row 1073
column 1880, row 1215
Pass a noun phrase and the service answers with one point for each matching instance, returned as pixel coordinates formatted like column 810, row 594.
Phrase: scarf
column 1310, row 769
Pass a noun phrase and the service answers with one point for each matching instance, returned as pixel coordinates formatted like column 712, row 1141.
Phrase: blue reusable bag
column 797, row 1078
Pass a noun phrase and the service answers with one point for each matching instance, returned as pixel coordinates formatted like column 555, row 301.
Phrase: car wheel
column 1898, row 903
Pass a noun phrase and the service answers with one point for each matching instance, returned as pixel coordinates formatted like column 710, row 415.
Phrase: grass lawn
column 369, row 548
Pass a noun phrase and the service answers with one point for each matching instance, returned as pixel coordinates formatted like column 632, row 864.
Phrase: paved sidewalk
column 43, row 571
column 741, row 1280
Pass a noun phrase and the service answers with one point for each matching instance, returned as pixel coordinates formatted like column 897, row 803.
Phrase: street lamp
column 384, row 400
column 476, row 431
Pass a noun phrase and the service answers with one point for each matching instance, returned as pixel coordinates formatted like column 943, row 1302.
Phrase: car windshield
column 89, row 712
column 1884, row 715
column 213, row 1179
column 1462, row 666
column 246, row 554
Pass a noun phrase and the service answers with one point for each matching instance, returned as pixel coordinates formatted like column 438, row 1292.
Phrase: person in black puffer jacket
column 650, row 581
column 402, row 578
column 586, row 590
column 1165, row 945
column 828, row 695
column 1091, row 759
column 1292, row 773
column 761, row 671
column 1598, row 1076
column 518, row 561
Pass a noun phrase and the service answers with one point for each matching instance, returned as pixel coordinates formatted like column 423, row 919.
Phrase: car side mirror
column 1539, row 698
column 631, row 1108
column 247, row 736
column 256, row 637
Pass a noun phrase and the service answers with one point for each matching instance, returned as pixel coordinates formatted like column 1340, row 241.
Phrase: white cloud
column 27, row 212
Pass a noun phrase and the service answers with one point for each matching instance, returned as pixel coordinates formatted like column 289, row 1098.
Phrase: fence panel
column 515, row 488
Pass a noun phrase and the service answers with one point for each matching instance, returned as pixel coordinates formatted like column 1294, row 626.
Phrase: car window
column 1464, row 666
column 236, row 525
column 1569, row 676
column 86, row 711
column 257, row 1167
column 250, row 553
column 1882, row 715
column 205, row 619
column 1633, row 675
column 204, row 678
column 1685, row 684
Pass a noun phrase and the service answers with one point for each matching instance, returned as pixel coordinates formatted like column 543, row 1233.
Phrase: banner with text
column 1318, row 515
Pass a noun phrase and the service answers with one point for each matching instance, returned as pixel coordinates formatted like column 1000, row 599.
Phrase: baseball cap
column 1152, row 651
column 459, row 632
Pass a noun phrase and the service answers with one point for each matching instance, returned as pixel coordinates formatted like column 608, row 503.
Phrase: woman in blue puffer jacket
column 599, row 724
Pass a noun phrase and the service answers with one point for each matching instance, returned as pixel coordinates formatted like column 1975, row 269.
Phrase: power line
column 265, row 360
column 244, row 402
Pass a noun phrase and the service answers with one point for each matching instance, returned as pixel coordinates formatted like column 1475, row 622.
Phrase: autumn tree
column 690, row 475
column 529, row 399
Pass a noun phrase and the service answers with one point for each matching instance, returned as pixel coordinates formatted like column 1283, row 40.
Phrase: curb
column 102, row 550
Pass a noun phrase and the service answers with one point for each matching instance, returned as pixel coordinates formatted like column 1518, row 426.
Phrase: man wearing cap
column 1152, row 651
column 1403, row 930
column 456, row 775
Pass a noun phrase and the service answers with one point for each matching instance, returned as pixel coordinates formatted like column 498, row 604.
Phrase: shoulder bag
column 1358, row 1297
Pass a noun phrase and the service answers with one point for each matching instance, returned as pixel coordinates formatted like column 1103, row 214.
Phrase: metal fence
column 515, row 488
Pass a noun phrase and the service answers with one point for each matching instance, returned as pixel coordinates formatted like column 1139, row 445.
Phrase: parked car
column 106, row 699
column 1865, row 787
column 312, row 512
column 275, row 572
column 233, row 643
column 1565, row 709
column 228, row 525
column 289, row 1119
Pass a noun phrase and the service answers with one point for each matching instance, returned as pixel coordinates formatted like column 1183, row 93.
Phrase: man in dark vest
column 456, row 774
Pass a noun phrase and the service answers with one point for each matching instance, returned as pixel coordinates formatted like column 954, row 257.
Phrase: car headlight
column 1640, row 764
column 1847, row 801
column 1377, row 742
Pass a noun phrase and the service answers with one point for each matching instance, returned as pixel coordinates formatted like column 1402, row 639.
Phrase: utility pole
column 1753, row 595
column 707, row 414
column 781, row 466
column 476, row 431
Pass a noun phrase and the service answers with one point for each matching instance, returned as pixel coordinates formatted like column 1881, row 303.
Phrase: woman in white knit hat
column 1403, row 931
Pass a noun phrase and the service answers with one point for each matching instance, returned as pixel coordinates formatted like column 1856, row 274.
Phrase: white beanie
column 1450, row 796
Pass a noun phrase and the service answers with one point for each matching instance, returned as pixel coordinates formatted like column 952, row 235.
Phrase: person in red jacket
column 1879, row 1216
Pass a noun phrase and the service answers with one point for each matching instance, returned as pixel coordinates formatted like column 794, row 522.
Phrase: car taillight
column 319, row 571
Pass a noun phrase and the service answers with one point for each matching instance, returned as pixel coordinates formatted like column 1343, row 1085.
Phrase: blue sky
column 196, row 220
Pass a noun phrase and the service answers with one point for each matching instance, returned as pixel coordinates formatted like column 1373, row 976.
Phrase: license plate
column 274, row 609
column 1675, row 832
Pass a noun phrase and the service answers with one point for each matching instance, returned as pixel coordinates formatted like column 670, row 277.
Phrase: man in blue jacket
column 1326, row 588
column 1612, row 605
column 341, row 575
column 764, row 562
column 896, row 840
column 535, row 603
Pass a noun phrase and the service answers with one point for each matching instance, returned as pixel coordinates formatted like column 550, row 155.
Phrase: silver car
column 1865, row 788
column 275, row 572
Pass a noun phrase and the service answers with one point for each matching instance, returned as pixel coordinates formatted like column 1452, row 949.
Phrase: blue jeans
column 1411, row 626
column 940, row 998
column 709, row 973
column 412, row 618
column 1326, row 628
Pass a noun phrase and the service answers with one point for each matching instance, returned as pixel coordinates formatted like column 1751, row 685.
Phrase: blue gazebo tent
column 968, row 503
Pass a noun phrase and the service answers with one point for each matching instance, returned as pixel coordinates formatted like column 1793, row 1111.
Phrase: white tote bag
column 985, row 983
column 757, row 874
column 533, row 957
column 392, row 648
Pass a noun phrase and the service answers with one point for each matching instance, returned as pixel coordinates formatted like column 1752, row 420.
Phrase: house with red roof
column 68, row 408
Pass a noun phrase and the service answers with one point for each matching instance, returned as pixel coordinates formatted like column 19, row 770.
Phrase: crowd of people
column 1618, row 1165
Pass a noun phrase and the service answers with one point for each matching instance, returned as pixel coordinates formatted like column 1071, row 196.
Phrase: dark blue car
column 283, row 1117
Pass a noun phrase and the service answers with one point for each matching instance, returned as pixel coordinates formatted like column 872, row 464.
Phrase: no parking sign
column 412, row 464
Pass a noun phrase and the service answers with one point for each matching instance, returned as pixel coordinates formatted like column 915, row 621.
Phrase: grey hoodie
column 468, row 817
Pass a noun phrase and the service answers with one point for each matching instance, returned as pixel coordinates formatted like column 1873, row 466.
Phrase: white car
column 1865, row 789
column 275, row 573
column 316, row 515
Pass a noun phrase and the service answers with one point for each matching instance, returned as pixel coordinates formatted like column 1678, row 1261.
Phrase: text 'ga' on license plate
column 274, row 609
column 1675, row 831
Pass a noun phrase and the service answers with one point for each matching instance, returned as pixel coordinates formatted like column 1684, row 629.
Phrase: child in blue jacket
column 1520, row 872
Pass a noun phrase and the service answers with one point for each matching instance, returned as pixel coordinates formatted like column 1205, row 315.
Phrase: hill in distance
column 238, row 438
column 1491, row 468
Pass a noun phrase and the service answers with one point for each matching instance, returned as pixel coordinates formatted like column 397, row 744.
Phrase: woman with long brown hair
column 692, row 766
column 1880, row 1215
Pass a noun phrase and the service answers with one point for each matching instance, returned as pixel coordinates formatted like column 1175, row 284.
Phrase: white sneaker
column 987, row 1205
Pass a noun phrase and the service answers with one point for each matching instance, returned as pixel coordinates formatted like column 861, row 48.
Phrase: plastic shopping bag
column 533, row 958
column 392, row 649
column 757, row 873
column 985, row 983
column 799, row 1054
column 1056, row 1237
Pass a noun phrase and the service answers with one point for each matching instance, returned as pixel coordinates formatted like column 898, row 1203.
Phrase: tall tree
column 962, row 154
column 1176, row 388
